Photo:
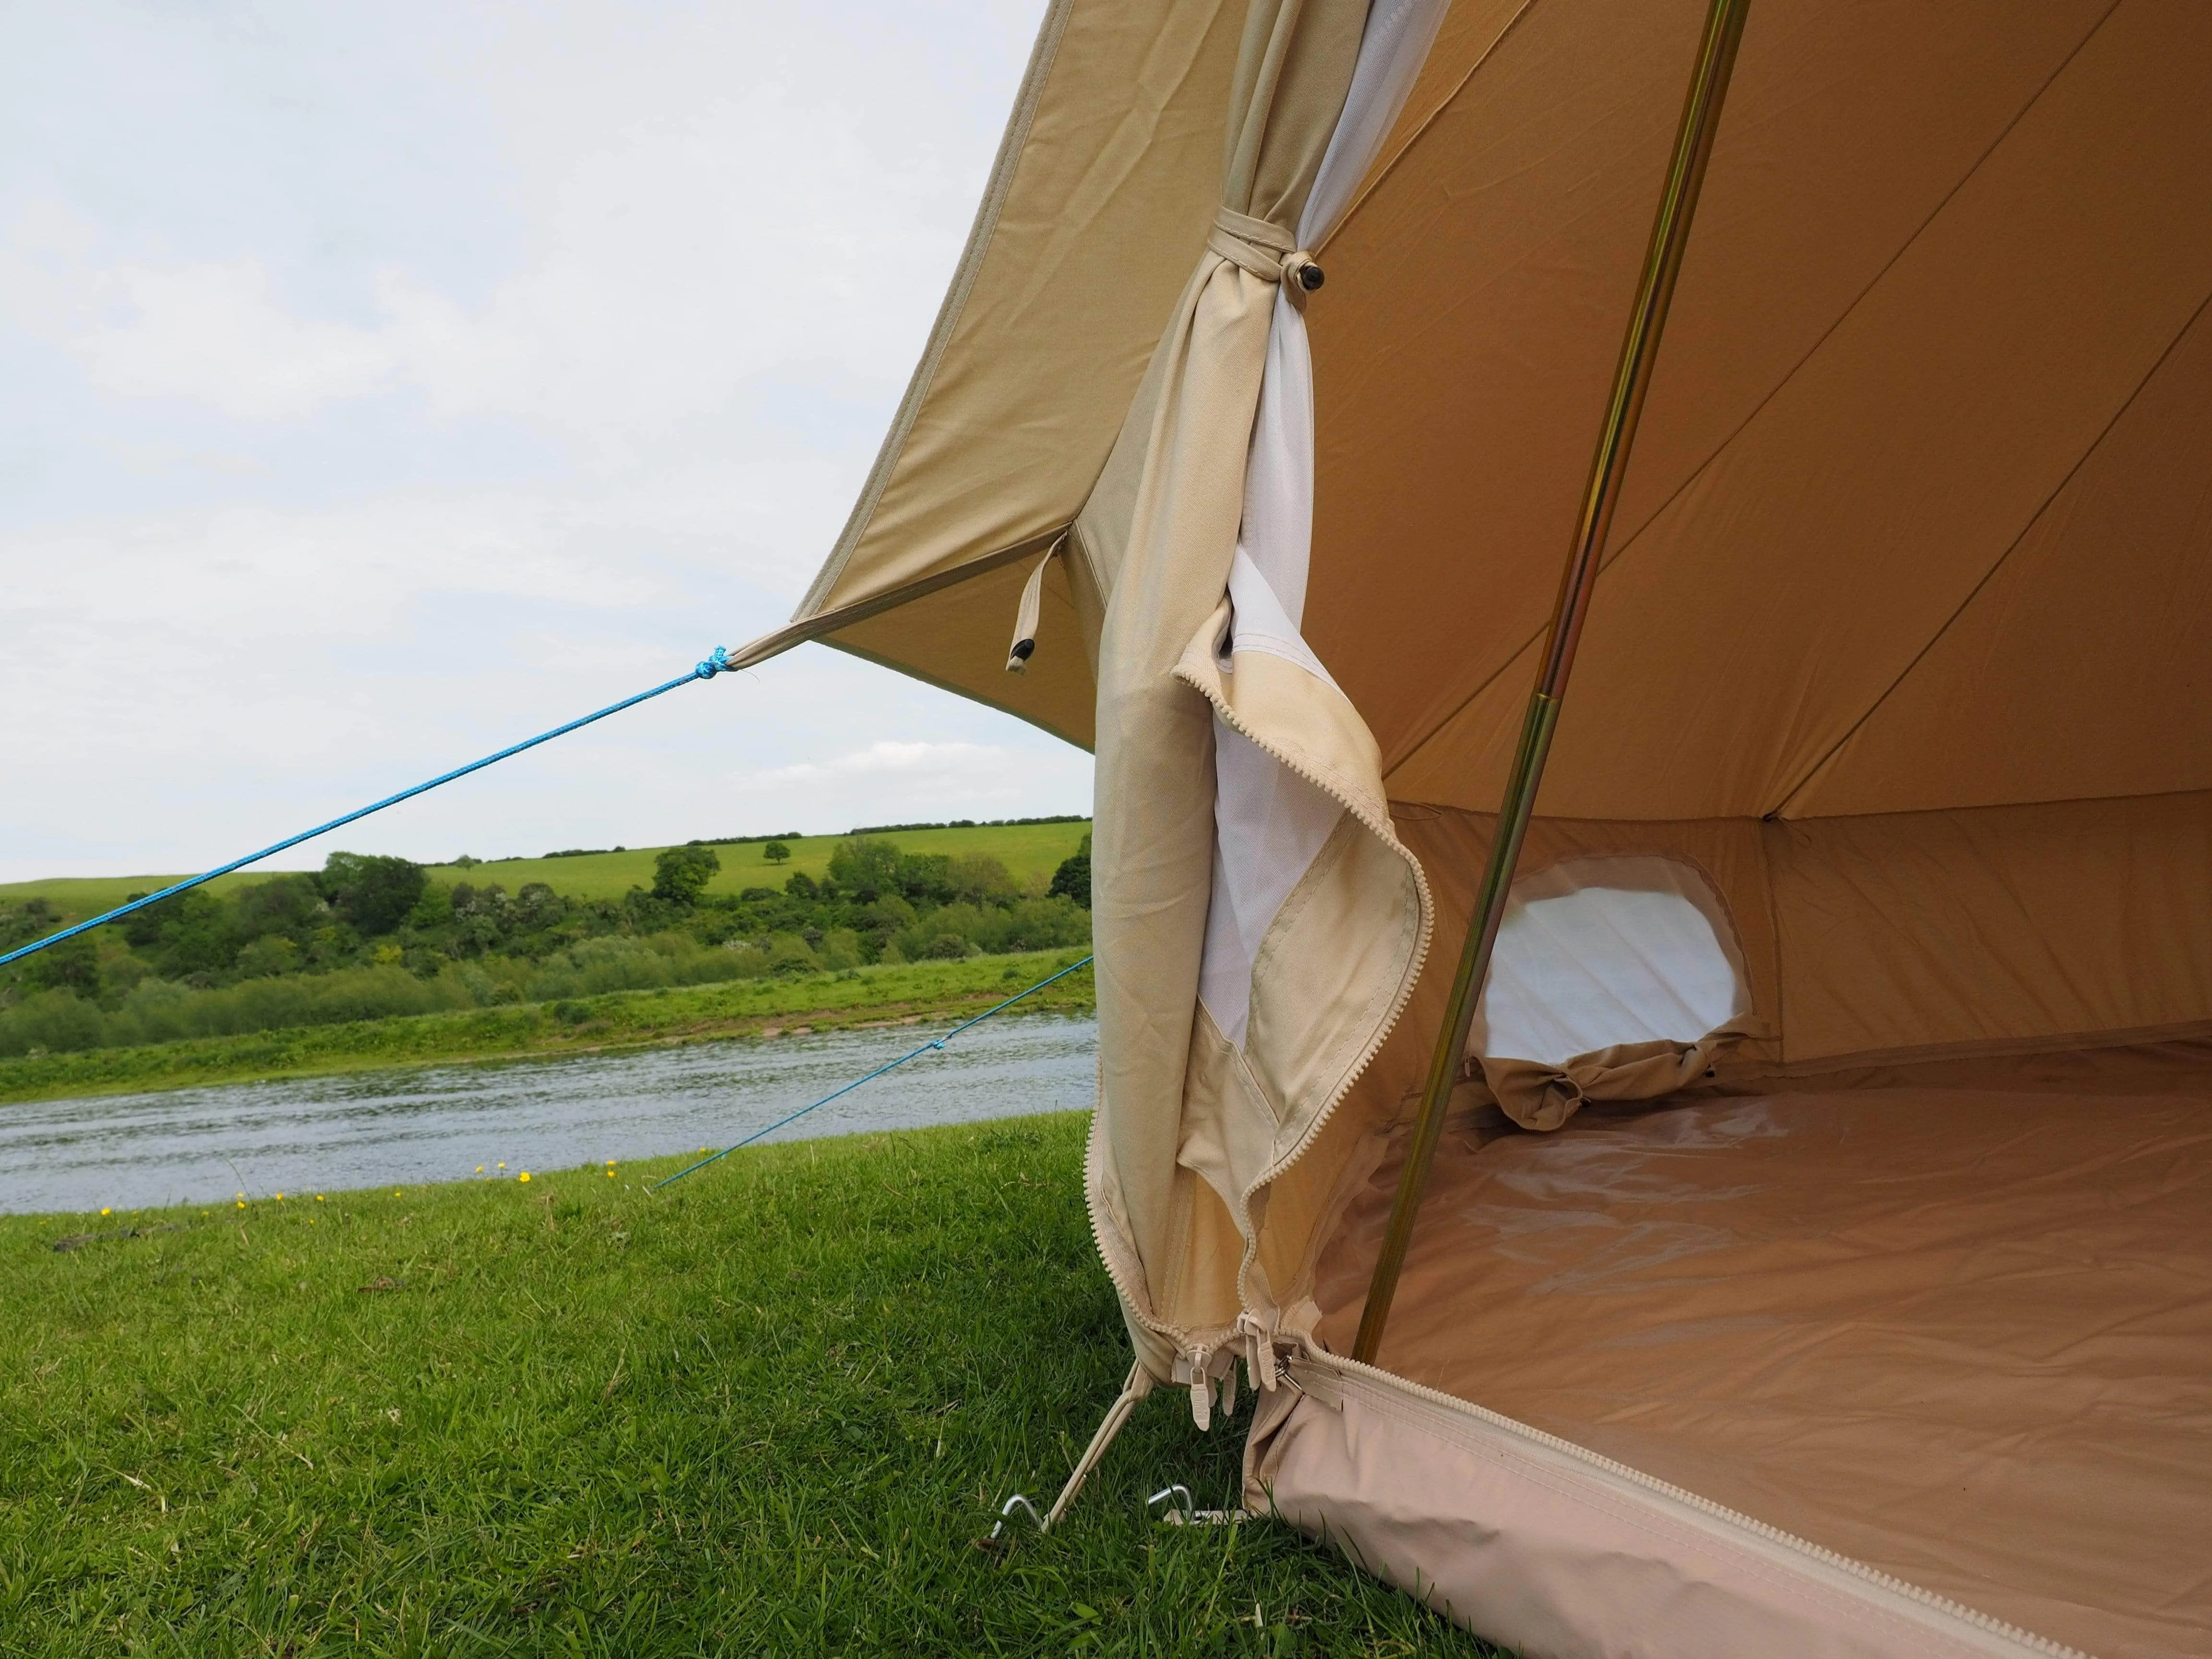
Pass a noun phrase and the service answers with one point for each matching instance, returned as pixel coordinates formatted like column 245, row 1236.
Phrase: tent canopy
column 1908, row 524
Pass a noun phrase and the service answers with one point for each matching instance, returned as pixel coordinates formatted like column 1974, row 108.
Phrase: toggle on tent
column 1639, row 575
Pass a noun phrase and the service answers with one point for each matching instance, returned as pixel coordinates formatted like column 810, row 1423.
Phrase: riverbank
column 769, row 1410
column 908, row 993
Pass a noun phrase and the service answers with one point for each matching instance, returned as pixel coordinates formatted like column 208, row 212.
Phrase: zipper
column 1108, row 1257
column 1833, row 1559
column 1387, row 834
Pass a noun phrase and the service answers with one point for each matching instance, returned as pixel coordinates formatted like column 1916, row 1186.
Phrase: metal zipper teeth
column 1772, row 1535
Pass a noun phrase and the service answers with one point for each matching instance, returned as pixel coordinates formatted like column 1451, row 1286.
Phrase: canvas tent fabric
column 1896, row 675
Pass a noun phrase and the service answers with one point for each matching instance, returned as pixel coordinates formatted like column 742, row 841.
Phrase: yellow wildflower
column 524, row 1176
column 107, row 1213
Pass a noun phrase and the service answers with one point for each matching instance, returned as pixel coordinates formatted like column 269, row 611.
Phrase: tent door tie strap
column 1264, row 249
column 1137, row 1385
column 1026, row 616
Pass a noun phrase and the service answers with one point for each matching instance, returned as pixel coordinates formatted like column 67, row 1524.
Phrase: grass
column 1028, row 851
column 905, row 993
column 769, row 1410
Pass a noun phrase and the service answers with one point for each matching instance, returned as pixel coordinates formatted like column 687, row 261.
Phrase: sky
column 380, row 384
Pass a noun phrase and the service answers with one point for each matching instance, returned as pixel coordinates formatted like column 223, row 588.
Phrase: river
column 445, row 1122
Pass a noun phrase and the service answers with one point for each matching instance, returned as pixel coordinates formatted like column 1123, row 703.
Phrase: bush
column 73, row 965
column 788, row 953
column 58, row 1020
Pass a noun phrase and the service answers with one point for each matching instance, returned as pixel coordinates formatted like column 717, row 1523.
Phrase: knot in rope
column 715, row 664
column 1264, row 249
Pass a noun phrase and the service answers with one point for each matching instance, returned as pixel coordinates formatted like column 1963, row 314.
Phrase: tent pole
column 1662, row 262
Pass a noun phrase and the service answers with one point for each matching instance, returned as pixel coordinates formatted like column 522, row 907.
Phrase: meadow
column 906, row 992
column 1030, row 852
column 772, row 1408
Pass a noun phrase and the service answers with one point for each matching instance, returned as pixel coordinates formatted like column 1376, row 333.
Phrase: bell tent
column 1685, row 1084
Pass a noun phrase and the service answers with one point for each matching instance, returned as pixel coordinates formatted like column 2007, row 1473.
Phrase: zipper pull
column 1260, row 1358
column 1201, row 1391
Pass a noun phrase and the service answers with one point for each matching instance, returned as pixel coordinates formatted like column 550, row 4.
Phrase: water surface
column 441, row 1122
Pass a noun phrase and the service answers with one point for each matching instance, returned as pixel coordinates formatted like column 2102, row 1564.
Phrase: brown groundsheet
column 1964, row 1337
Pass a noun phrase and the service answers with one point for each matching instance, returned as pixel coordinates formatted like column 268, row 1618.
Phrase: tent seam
column 979, row 568
column 1813, row 773
column 1374, row 181
column 1012, row 147
column 1794, row 370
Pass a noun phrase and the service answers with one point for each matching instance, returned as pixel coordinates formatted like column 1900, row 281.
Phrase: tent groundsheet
column 1955, row 1335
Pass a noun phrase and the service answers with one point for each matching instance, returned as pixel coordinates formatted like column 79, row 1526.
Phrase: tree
column 73, row 965
column 865, row 867
column 1072, row 878
column 775, row 852
column 372, row 891
column 33, row 919
column 194, row 933
column 680, row 874
column 283, row 904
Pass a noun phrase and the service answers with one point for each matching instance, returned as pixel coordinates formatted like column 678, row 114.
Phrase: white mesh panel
column 1601, row 965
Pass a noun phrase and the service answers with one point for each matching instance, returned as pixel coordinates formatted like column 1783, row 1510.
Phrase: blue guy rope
column 719, row 662
column 926, row 1048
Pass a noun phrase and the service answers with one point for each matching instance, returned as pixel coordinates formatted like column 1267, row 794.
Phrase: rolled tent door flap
column 1260, row 923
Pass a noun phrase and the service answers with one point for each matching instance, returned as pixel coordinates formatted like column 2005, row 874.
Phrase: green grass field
column 1028, row 851
column 939, row 991
column 769, row 1411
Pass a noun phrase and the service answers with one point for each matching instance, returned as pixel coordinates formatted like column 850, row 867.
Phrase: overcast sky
column 381, row 384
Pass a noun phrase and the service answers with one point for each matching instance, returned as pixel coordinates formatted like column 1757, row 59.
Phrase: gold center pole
column 1662, row 262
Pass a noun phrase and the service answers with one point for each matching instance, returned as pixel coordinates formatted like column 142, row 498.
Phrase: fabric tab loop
column 1028, row 614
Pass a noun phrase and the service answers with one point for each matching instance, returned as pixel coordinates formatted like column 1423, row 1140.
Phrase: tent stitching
column 1003, row 168
column 1814, row 771
column 1375, row 180
column 1751, row 417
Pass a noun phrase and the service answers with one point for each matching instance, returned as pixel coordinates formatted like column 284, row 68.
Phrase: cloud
column 378, row 387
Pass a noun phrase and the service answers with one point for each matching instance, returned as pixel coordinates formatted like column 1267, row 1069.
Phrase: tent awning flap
column 1101, row 198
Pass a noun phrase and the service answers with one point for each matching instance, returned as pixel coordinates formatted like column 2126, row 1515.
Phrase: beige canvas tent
column 1816, row 1256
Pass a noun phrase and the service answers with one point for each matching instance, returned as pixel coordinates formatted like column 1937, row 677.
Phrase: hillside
column 1028, row 850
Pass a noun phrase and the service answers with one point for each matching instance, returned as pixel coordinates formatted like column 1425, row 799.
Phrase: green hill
column 1028, row 851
